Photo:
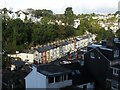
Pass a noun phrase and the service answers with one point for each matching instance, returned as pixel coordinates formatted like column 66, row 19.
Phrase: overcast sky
column 59, row 6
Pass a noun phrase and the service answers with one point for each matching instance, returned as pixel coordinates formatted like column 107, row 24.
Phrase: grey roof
column 39, row 49
column 103, row 47
column 72, row 66
column 117, row 40
column 52, row 69
column 31, row 52
column 43, row 49
column 48, row 47
column 18, row 63
column 100, row 53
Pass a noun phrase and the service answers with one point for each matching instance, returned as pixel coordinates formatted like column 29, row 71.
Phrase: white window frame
column 116, row 53
column 92, row 55
column 115, row 71
column 52, row 82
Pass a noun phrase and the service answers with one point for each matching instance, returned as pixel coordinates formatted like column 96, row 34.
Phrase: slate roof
column 44, row 49
column 26, row 13
column 66, row 42
column 117, row 40
column 18, row 63
column 48, row 47
column 103, row 47
column 72, row 66
column 31, row 52
column 99, row 52
column 39, row 49
column 52, row 69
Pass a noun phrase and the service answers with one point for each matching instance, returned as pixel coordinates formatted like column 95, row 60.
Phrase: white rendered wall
column 35, row 80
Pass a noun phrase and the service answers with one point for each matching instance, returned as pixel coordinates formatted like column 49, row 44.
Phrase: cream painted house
column 51, row 54
column 58, row 53
column 27, row 57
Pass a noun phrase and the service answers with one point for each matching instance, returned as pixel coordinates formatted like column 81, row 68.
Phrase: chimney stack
column 109, row 42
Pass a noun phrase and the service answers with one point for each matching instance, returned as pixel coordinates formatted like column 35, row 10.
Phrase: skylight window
column 116, row 53
column 92, row 55
column 73, row 73
column 77, row 71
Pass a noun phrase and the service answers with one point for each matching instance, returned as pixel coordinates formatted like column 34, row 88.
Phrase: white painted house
column 28, row 57
column 55, row 53
column 48, row 76
column 21, row 15
column 72, row 47
column 76, row 23
column 37, row 56
column 12, row 15
column 58, row 53
column 51, row 53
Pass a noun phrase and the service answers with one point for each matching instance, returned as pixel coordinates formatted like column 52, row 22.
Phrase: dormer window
column 116, row 53
column 92, row 55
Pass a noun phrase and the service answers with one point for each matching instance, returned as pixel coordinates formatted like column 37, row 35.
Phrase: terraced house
column 48, row 53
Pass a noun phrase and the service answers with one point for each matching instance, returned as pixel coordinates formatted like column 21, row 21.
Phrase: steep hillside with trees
column 19, row 35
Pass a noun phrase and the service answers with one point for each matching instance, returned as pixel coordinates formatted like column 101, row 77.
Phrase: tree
column 37, row 13
column 93, row 14
column 44, row 13
column 118, row 12
column 6, row 61
column 118, row 33
column 80, row 30
column 45, row 20
column 69, row 16
column 69, row 31
column 5, row 10
column 30, row 10
column 14, row 37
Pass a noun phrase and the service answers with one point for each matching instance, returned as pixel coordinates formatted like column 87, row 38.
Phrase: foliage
column 44, row 13
column 118, row 12
column 15, row 33
column 30, row 10
column 6, row 61
column 69, row 16
column 48, row 33
column 95, row 29
column 118, row 33
column 45, row 20
column 19, row 35
column 4, row 10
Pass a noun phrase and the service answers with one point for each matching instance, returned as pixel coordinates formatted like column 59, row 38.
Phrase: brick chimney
column 109, row 42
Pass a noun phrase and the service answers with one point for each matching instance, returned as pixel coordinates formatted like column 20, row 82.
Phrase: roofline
column 55, row 74
column 100, row 53
column 104, row 56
